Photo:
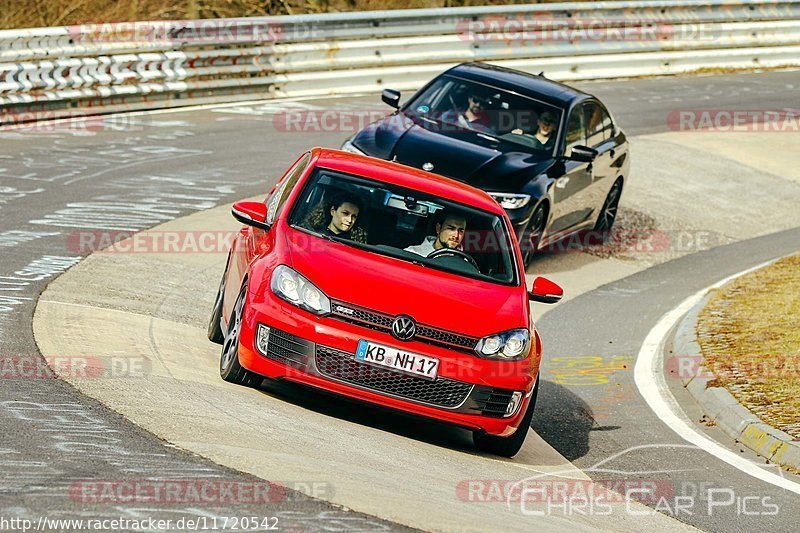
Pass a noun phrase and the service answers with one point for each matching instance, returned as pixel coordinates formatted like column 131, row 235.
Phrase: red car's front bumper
column 320, row 352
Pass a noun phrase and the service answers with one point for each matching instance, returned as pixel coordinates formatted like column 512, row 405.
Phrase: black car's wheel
column 215, row 333
column 532, row 236
column 507, row 446
column 608, row 214
column 229, row 368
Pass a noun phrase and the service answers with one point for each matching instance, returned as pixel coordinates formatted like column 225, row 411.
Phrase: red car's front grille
column 442, row 392
column 383, row 322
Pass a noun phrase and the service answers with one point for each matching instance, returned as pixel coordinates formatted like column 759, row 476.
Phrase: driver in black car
column 468, row 111
column 449, row 234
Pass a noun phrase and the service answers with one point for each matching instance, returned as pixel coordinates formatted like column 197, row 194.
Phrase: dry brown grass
column 38, row 13
column 750, row 336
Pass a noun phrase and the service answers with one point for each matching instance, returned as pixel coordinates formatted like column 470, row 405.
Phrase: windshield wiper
column 426, row 119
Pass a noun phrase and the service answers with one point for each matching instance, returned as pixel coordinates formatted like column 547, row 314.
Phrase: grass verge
column 749, row 333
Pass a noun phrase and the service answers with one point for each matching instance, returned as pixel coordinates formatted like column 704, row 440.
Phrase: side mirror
column 251, row 213
column 581, row 153
column 391, row 97
column 545, row 291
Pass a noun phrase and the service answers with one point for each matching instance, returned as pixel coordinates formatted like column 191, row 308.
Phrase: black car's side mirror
column 251, row 213
column 391, row 97
column 581, row 153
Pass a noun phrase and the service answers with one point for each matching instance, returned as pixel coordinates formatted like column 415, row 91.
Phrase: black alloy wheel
column 215, row 333
column 532, row 236
column 608, row 214
column 229, row 368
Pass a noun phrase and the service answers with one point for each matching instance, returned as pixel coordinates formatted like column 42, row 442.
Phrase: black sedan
column 550, row 154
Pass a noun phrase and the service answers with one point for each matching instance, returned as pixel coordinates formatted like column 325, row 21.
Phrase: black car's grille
column 492, row 402
column 383, row 322
column 343, row 366
column 287, row 348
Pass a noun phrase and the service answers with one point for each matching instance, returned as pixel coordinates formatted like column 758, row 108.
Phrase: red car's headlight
column 289, row 285
column 505, row 346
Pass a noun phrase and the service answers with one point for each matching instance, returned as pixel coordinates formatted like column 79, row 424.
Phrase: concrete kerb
column 721, row 407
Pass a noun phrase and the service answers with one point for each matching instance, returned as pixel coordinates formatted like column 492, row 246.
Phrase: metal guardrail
column 111, row 67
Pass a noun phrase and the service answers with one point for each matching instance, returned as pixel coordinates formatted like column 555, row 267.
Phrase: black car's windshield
column 454, row 104
column 406, row 224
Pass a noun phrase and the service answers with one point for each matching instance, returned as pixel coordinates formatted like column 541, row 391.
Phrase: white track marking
column 653, row 387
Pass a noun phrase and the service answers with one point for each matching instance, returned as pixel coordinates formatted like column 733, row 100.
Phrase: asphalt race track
column 368, row 470
column 625, row 441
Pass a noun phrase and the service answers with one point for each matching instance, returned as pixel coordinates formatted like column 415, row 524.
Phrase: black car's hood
column 463, row 155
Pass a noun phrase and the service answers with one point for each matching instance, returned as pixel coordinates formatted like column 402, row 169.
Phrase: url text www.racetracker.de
column 195, row 523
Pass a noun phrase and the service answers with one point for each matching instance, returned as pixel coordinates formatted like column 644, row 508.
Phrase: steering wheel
column 458, row 253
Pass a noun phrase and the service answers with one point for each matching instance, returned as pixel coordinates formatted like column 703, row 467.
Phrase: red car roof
column 404, row 176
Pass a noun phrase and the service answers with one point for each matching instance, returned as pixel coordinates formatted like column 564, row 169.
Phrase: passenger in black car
column 545, row 136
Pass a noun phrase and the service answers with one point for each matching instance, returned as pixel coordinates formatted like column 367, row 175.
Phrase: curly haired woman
column 338, row 217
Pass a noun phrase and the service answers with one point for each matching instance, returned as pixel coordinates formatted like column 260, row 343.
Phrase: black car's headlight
column 505, row 346
column 511, row 200
column 287, row 284
column 350, row 147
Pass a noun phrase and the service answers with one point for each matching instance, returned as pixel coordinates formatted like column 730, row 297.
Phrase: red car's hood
column 448, row 301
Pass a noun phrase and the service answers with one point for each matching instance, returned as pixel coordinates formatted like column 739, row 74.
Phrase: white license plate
column 400, row 360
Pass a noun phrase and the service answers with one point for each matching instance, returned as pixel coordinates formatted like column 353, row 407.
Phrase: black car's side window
column 608, row 124
column 576, row 131
column 276, row 202
column 599, row 127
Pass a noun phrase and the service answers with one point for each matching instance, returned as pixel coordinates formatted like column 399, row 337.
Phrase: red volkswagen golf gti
column 389, row 285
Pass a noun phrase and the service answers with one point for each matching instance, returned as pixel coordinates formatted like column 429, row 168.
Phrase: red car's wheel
column 229, row 368
column 215, row 333
column 507, row 446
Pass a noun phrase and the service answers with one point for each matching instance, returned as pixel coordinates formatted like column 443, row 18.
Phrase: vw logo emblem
column 404, row 327
column 427, row 167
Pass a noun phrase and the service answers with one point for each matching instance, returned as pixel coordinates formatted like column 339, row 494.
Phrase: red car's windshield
column 406, row 224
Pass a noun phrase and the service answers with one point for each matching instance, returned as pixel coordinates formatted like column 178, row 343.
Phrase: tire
column 608, row 214
column 215, row 333
column 507, row 446
column 229, row 368
column 532, row 236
